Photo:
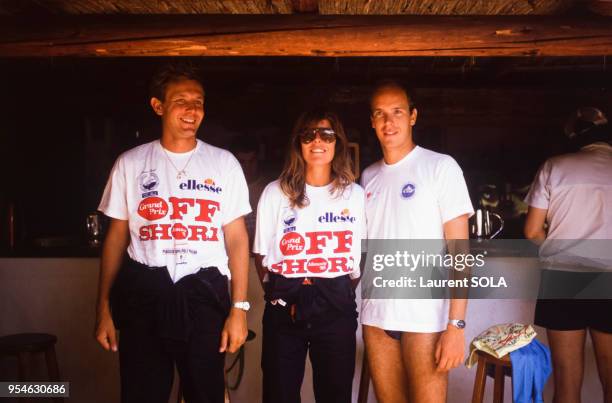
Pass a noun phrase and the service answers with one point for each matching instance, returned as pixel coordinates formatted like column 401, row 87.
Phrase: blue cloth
column 531, row 367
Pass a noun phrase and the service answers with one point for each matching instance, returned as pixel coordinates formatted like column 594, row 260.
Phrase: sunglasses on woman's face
column 325, row 134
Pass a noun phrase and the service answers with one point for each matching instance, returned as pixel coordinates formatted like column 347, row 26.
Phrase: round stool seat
column 23, row 345
column 26, row 342
column 504, row 361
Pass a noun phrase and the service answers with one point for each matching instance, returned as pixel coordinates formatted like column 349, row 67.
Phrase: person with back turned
column 570, row 215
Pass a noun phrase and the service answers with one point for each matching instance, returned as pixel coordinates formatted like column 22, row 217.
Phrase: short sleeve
column 362, row 180
column 114, row 199
column 356, row 273
column 364, row 225
column 453, row 197
column 266, row 221
column 366, row 176
column 539, row 192
column 236, row 196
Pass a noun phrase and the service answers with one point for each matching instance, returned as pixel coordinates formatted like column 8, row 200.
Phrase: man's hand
column 105, row 332
column 450, row 349
column 236, row 243
column 115, row 244
column 234, row 332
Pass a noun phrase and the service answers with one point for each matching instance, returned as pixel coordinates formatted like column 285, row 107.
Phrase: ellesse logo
column 207, row 185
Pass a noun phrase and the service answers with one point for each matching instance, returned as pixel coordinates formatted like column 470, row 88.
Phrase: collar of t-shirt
column 179, row 156
column 411, row 155
column 318, row 190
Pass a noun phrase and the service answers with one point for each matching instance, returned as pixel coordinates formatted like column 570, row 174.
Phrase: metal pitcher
column 481, row 226
column 94, row 229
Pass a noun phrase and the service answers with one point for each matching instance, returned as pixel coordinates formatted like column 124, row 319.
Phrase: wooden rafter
column 331, row 7
column 445, row 7
column 307, row 35
column 305, row 6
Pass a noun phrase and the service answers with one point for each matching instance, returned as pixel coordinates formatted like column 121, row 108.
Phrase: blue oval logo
column 148, row 181
column 408, row 190
column 290, row 217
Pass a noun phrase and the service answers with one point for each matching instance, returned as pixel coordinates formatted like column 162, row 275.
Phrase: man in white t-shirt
column 413, row 193
column 177, row 206
column 570, row 215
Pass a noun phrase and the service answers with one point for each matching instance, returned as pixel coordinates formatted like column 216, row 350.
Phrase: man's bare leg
column 567, row 350
column 427, row 384
column 385, row 363
column 602, row 343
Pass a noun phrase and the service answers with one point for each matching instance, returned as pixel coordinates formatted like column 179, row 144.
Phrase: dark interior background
column 63, row 121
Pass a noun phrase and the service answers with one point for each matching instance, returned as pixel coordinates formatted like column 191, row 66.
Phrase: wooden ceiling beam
column 331, row 7
column 143, row 7
column 306, row 35
column 305, row 6
column 444, row 7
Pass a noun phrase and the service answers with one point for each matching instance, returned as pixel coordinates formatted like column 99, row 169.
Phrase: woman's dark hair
column 293, row 176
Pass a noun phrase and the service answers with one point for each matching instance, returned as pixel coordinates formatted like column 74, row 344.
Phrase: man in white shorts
column 177, row 205
column 412, row 193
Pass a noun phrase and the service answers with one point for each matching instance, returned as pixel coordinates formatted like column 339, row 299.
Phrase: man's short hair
column 392, row 83
column 172, row 72
column 587, row 125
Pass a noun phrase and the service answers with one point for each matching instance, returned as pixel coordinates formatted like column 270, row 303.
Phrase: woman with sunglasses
column 308, row 236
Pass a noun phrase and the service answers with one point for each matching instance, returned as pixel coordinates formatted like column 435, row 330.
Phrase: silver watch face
column 244, row 305
column 460, row 324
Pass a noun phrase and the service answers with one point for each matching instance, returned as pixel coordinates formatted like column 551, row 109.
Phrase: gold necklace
column 182, row 173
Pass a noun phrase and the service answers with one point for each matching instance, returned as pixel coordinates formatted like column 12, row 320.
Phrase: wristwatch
column 244, row 305
column 458, row 323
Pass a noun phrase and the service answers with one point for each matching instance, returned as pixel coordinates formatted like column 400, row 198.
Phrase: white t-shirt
column 177, row 223
column 412, row 199
column 323, row 239
column 576, row 189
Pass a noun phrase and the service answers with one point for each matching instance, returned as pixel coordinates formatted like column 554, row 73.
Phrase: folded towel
column 500, row 340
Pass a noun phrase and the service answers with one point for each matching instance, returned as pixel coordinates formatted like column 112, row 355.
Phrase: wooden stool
column 499, row 368
column 23, row 344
